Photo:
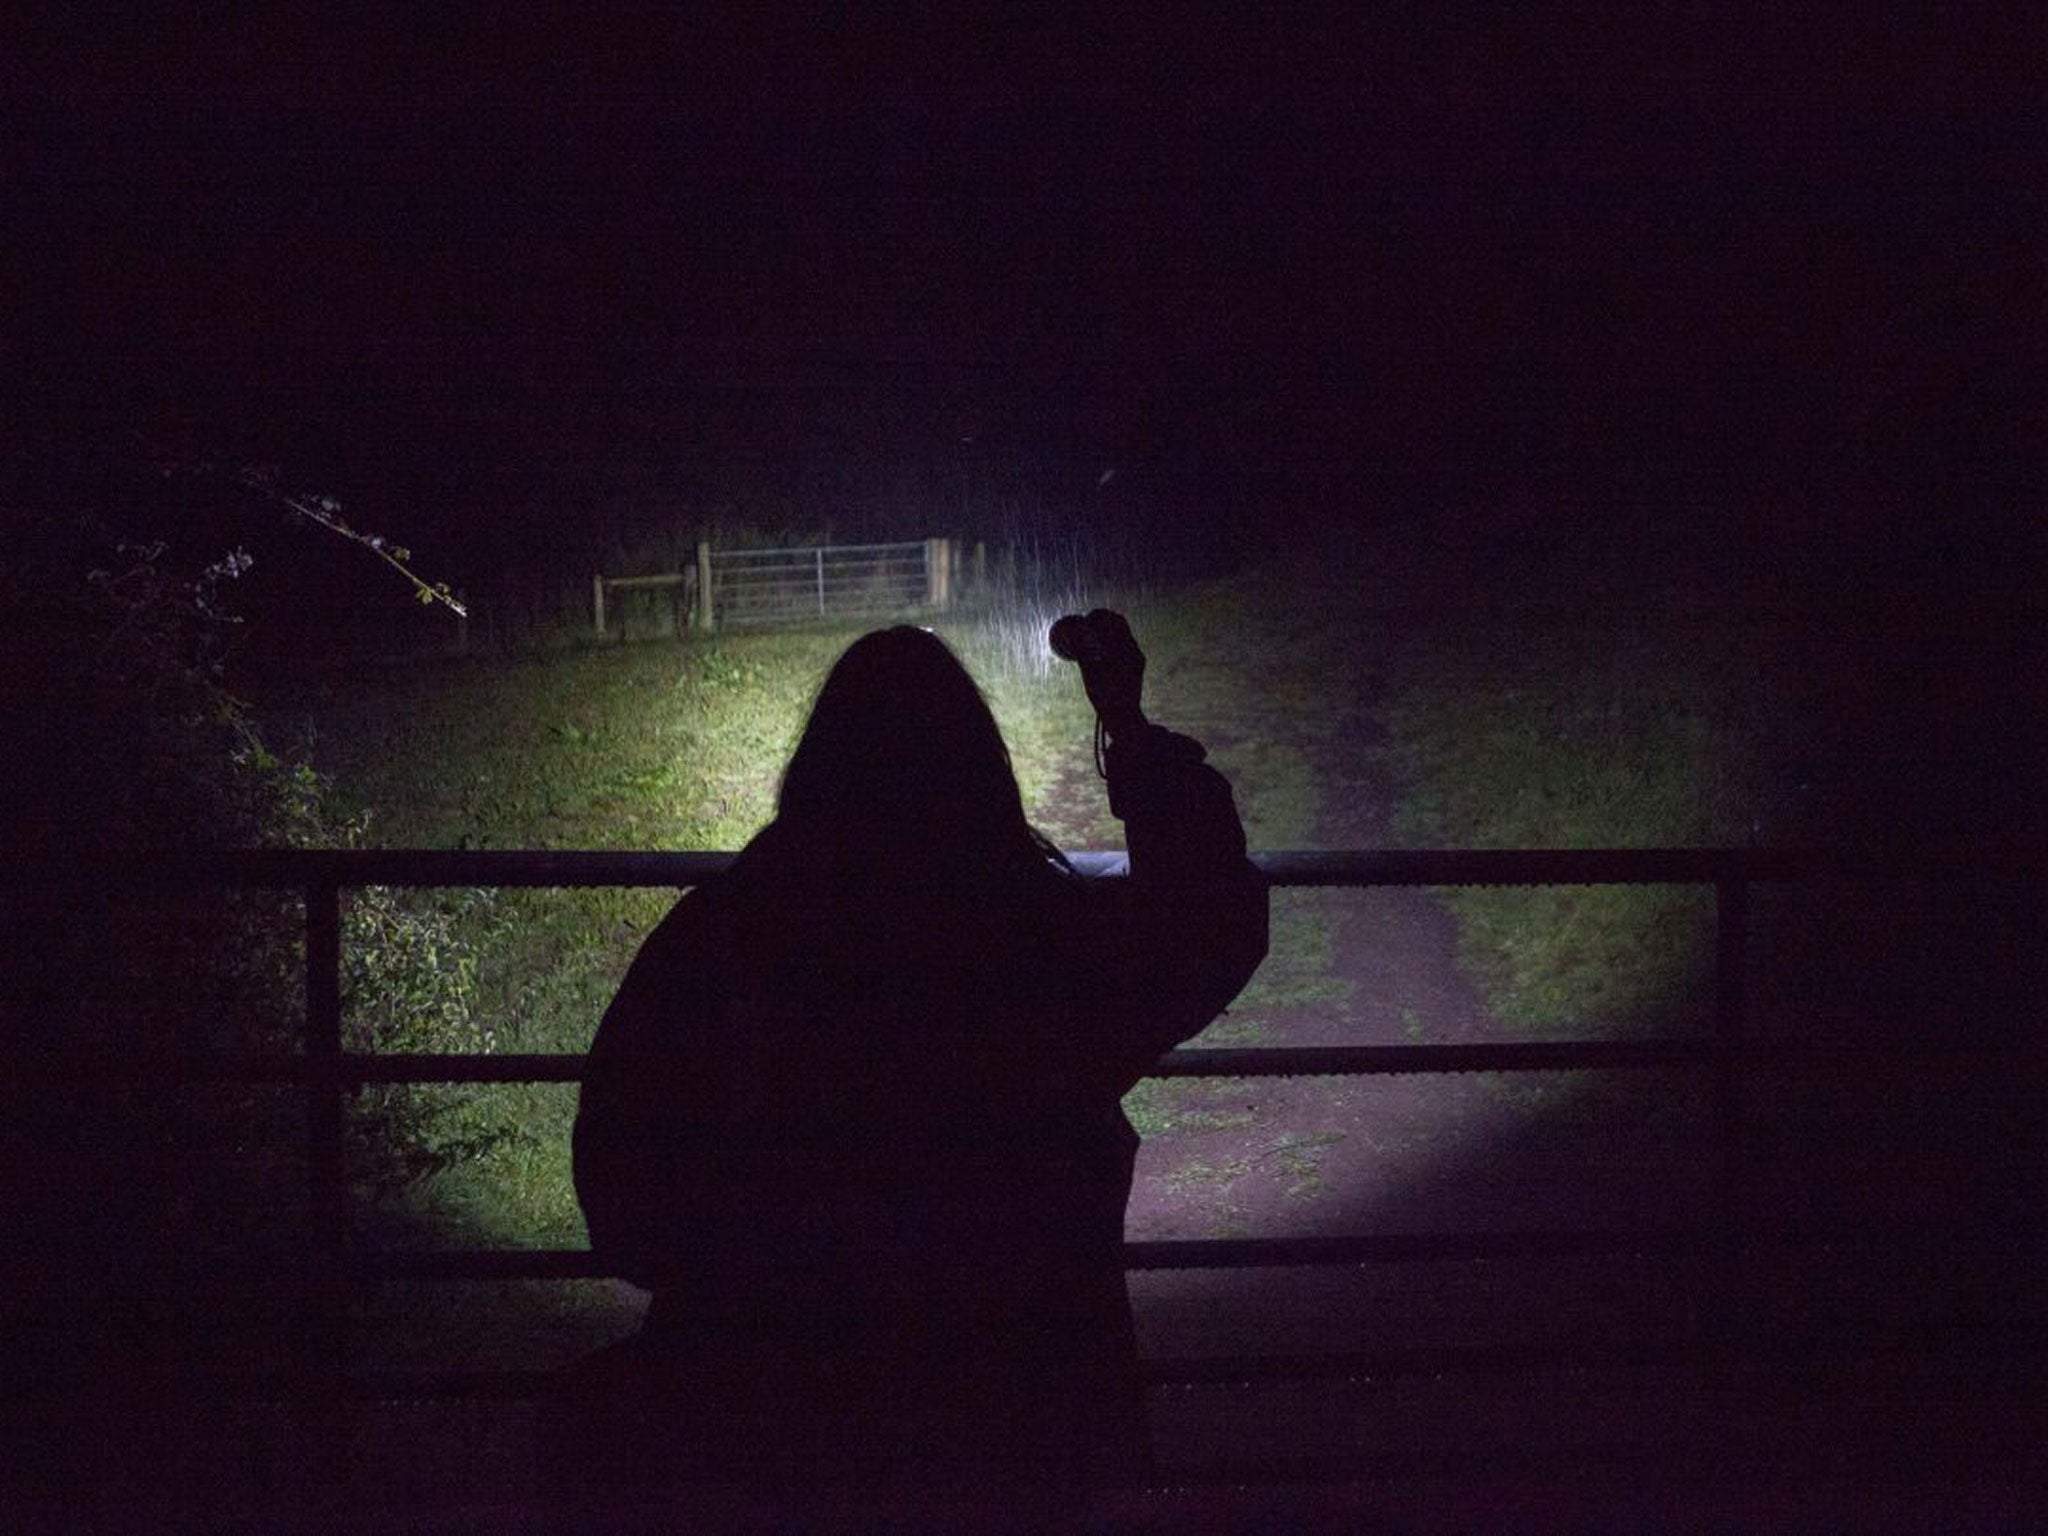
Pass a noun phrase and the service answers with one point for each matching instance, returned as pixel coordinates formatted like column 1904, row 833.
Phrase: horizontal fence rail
column 326, row 1072
column 819, row 582
column 590, row 869
column 800, row 584
column 354, row 1069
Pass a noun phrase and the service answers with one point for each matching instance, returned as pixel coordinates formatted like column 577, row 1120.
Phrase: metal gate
column 822, row 582
column 1722, row 1238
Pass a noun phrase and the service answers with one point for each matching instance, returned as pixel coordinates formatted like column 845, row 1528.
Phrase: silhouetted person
column 854, row 1119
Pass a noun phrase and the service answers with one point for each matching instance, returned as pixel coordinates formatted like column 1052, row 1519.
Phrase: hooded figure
column 854, row 1115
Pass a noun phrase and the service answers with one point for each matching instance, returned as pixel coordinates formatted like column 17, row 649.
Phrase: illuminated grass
column 1164, row 1106
column 680, row 745
column 1589, row 737
column 1502, row 738
column 1199, row 1173
column 1296, row 972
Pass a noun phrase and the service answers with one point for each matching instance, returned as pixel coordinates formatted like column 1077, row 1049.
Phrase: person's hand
column 1112, row 666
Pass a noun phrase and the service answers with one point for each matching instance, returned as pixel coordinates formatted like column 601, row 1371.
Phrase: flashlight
column 1080, row 638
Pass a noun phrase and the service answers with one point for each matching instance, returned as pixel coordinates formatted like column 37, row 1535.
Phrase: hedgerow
column 125, row 736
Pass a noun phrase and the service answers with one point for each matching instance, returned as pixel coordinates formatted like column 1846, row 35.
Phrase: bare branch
column 325, row 511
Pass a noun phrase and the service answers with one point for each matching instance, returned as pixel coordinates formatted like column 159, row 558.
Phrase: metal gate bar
column 326, row 1071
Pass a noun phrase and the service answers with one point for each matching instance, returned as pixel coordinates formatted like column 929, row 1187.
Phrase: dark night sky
column 462, row 269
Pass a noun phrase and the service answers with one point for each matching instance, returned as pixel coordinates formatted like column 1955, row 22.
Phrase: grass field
column 1533, row 733
column 1490, row 725
column 1350, row 706
column 1543, row 735
column 680, row 745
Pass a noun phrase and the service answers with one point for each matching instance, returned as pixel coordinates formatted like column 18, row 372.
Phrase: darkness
column 1754, row 302
column 521, row 292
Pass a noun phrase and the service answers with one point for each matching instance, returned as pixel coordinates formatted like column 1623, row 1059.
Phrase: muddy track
column 1316, row 1156
column 1282, row 1157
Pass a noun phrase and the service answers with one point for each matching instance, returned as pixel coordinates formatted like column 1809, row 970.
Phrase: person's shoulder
column 690, row 927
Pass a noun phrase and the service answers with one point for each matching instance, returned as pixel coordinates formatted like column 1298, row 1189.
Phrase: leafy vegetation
column 132, row 730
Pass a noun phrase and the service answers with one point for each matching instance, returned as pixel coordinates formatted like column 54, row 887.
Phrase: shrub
column 126, row 737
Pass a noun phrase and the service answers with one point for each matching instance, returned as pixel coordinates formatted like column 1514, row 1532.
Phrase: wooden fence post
column 597, row 604
column 706, row 619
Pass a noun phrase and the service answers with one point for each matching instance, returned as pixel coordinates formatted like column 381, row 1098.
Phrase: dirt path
column 1322, row 1156
column 1365, row 1155
column 1296, row 1156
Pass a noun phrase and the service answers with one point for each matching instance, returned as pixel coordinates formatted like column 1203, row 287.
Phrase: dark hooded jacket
column 855, row 1120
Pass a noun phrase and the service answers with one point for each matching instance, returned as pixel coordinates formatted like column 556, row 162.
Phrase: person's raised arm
column 1190, row 923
